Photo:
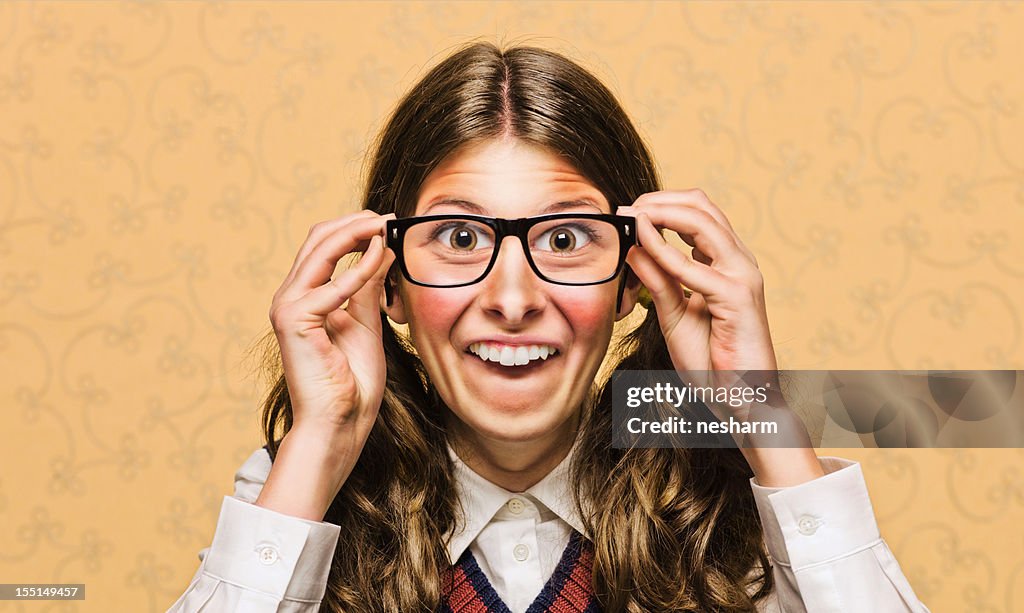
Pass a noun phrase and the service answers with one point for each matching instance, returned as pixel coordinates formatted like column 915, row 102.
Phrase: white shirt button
column 807, row 525
column 521, row 552
column 516, row 506
column 268, row 555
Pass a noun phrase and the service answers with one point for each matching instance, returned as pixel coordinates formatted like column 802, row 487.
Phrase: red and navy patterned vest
column 465, row 588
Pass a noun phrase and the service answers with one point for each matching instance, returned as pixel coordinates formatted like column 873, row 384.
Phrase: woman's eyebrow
column 571, row 204
column 465, row 204
column 551, row 208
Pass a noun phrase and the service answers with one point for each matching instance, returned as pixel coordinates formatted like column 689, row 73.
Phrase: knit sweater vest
column 465, row 588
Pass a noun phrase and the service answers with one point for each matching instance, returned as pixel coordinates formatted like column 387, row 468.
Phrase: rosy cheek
column 434, row 311
column 588, row 312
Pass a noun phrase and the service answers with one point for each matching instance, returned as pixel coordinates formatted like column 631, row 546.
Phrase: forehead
column 506, row 178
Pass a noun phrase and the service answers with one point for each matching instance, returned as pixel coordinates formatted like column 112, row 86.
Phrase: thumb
column 364, row 304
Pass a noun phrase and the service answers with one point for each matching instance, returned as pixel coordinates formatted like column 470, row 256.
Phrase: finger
column 697, row 199
column 316, row 234
column 321, row 262
column 665, row 290
column 681, row 314
column 364, row 305
column 695, row 250
column 705, row 233
column 697, row 276
column 331, row 231
column 691, row 197
column 326, row 298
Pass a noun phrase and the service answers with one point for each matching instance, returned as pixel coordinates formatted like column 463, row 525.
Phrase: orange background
column 161, row 163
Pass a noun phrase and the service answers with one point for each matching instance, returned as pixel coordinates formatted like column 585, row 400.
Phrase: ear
column 629, row 290
column 391, row 300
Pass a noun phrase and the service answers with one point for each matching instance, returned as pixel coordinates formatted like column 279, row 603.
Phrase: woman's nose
column 511, row 290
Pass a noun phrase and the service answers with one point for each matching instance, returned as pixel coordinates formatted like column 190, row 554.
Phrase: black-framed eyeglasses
column 460, row 249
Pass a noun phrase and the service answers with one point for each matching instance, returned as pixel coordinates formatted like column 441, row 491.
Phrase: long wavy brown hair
column 683, row 534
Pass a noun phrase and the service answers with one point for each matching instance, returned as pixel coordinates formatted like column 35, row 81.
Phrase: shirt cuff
column 265, row 551
column 827, row 518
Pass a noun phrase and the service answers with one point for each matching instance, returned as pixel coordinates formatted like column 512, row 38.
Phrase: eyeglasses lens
column 457, row 251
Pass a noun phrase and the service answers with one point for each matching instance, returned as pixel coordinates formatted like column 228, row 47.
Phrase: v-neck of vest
column 569, row 570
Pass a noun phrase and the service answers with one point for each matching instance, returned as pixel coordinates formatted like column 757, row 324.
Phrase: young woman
column 468, row 465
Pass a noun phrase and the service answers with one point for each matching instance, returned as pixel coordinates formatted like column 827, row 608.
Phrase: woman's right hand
column 333, row 357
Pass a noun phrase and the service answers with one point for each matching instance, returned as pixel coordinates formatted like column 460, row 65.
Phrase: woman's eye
column 563, row 239
column 462, row 237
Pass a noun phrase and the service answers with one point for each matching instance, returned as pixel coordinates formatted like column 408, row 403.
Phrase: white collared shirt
column 516, row 538
column 827, row 554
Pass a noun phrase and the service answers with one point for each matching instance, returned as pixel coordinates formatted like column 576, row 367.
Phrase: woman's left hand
column 723, row 324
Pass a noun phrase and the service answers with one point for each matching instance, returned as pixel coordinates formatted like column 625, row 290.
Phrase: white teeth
column 508, row 355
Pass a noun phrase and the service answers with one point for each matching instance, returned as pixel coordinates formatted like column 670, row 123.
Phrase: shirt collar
column 480, row 500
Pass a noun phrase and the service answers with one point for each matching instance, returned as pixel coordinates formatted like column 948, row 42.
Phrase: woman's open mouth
column 511, row 355
column 512, row 359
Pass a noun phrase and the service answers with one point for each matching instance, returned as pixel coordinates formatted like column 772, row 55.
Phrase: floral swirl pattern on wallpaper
column 160, row 162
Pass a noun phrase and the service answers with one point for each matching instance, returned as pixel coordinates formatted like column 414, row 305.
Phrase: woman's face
column 511, row 306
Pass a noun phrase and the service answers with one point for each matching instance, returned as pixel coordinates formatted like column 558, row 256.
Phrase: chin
column 511, row 424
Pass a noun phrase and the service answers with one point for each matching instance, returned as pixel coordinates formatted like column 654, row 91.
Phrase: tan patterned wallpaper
column 161, row 162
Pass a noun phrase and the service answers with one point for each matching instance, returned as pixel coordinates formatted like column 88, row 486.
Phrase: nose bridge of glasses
column 512, row 285
column 511, row 246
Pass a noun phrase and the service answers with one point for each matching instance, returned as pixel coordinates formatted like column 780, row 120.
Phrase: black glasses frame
column 396, row 229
